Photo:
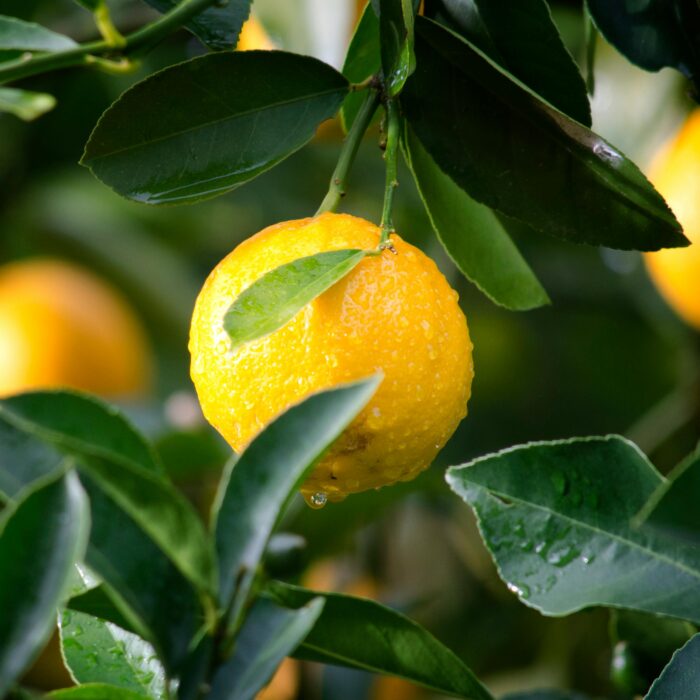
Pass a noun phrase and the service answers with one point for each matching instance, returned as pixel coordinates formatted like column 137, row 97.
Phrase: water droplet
column 562, row 556
column 588, row 558
column 607, row 153
column 520, row 589
column 318, row 499
column 560, row 483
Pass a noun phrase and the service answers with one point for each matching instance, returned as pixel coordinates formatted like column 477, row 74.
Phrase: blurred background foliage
column 608, row 356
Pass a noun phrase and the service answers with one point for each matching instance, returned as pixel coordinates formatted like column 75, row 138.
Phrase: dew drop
column 520, row 589
column 318, row 499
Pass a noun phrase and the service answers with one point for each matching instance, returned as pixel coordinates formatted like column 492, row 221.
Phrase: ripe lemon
column 253, row 36
column 676, row 174
column 61, row 326
column 393, row 313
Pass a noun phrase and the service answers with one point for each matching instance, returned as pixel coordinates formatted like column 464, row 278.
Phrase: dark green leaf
column 96, row 651
column 523, row 39
column 362, row 61
column 653, row 34
column 673, row 508
column 81, row 425
column 95, row 691
column 51, row 526
column 25, row 104
column 396, row 20
column 280, row 294
column 473, row 236
column 255, row 489
column 546, row 695
column 217, row 27
column 269, row 634
column 518, row 155
column 362, row 634
column 206, row 126
column 16, row 34
column 681, row 678
column 91, row 5
column 557, row 520
column 97, row 602
column 144, row 584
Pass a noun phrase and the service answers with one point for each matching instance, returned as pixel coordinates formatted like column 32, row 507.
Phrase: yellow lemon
column 394, row 313
column 253, row 36
column 676, row 174
column 60, row 326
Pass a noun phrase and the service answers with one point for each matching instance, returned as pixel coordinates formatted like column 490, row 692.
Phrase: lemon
column 676, row 174
column 394, row 313
column 253, row 36
column 60, row 326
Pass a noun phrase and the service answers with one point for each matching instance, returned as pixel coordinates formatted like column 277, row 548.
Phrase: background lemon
column 60, row 326
column 395, row 313
column 676, row 174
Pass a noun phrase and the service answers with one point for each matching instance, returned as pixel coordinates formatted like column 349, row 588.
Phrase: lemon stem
column 336, row 189
column 391, row 160
column 106, row 27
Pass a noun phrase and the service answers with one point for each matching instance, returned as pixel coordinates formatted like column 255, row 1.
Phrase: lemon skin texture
column 63, row 327
column 676, row 174
column 394, row 313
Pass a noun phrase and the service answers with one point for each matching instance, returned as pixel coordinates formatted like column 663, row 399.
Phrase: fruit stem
column 391, row 160
column 336, row 189
column 106, row 27
column 138, row 42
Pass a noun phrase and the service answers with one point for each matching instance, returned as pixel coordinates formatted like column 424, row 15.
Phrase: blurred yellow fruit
column 48, row 671
column 254, row 37
column 394, row 313
column 676, row 174
column 284, row 684
column 60, row 326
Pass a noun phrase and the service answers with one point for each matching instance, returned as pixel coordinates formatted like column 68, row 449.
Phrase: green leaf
column 681, row 678
column 95, row 691
column 511, row 151
column 557, row 519
column 523, row 39
column 473, row 236
column 41, row 538
column 81, row 425
column 546, row 695
column 91, row 5
column 206, row 126
column 219, row 26
column 396, row 20
column 25, row 104
column 97, row 602
column 124, row 466
column 673, row 507
column 141, row 580
column 362, row 634
column 652, row 34
column 362, row 61
column 269, row 634
column 96, row 651
column 280, row 294
column 16, row 34
column 255, row 489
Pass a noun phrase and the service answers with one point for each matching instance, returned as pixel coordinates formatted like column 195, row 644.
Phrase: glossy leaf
column 81, row 425
column 19, row 35
column 219, row 26
column 359, row 633
column 516, row 154
column 396, row 20
column 362, row 61
column 97, row 602
column 523, row 39
column 52, row 524
column 255, row 489
column 680, row 680
column 96, row 651
column 473, row 236
column 142, row 581
column 25, row 104
column 276, row 298
column 206, row 126
column 673, row 508
column 95, row 691
column 123, row 465
column 270, row 633
column 557, row 520
column 653, row 34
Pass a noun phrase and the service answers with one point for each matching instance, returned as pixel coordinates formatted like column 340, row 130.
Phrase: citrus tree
column 333, row 357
